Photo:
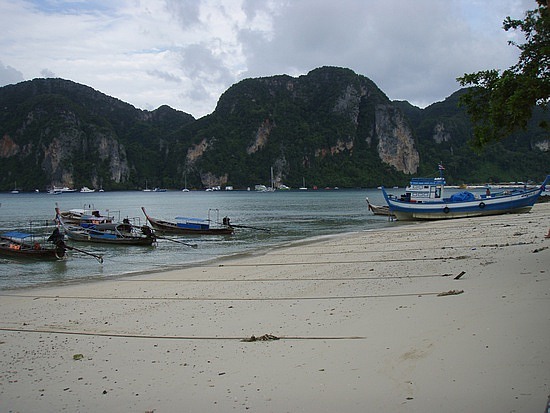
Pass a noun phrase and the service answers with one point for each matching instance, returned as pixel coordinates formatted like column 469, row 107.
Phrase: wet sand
column 449, row 316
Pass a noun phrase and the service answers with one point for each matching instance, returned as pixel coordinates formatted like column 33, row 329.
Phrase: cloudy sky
column 186, row 53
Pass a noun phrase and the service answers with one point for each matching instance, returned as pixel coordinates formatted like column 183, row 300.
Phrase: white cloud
column 186, row 53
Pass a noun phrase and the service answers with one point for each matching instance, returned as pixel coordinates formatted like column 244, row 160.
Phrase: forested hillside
column 331, row 127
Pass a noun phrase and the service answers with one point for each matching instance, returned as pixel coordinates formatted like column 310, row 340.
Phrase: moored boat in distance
column 424, row 199
column 189, row 226
column 56, row 190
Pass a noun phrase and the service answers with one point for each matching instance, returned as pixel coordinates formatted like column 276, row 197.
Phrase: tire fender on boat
column 482, row 205
column 446, row 210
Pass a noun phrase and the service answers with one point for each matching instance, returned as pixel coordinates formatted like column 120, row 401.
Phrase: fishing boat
column 121, row 233
column 28, row 245
column 379, row 209
column 424, row 199
column 86, row 216
column 189, row 226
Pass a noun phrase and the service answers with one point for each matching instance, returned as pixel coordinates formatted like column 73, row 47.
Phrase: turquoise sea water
column 289, row 216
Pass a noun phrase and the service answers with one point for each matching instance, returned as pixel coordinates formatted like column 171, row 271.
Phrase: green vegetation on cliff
column 330, row 127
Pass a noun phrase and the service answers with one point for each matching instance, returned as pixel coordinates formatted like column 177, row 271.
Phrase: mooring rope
column 178, row 298
column 241, row 280
column 157, row 337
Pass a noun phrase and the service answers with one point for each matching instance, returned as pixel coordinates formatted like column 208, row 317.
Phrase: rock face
column 395, row 141
column 59, row 133
column 8, row 147
column 62, row 151
column 440, row 133
column 261, row 137
column 315, row 121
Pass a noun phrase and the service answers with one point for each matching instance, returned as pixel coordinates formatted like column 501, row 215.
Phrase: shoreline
column 261, row 250
column 369, row 320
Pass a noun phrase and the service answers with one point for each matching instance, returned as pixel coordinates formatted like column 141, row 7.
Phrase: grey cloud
column 308, row 34
column 47, row 73
column 413, row 51
column 198, row 62
column 252, row 7
column 185, row 11
column 9, row 75
column 164, row 76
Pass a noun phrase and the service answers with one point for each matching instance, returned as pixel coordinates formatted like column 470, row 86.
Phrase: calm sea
column 288, row 215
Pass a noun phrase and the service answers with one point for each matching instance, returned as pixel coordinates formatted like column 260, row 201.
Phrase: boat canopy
column 191, row 219
column 16, row 234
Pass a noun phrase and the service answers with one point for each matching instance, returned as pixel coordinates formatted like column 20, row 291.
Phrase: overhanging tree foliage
column 501, row 103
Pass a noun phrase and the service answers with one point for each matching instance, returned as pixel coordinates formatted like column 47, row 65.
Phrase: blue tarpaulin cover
column 462, row 197
column 16, row 234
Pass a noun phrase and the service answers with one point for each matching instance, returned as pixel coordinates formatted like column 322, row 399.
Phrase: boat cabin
column 424, row 190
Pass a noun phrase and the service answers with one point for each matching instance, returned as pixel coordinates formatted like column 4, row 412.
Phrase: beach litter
column 265, row 337
column 450, row 292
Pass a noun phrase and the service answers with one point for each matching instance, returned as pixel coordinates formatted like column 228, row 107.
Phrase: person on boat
column 226, row 221
column 126, row 225
column 57, row 239
column 488, row 193
column 148, row 232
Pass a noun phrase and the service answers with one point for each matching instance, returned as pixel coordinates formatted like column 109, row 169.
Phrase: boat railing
column 134, row 221
column 37, row 231
column 217, row 221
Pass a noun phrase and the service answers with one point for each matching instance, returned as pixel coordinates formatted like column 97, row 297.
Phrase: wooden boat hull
column 517, row 202
column 383, row 210
column 89, row 236
column 165, row 227
column 13, row 248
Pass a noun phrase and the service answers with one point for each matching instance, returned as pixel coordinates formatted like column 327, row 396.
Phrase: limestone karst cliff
column 331, row 127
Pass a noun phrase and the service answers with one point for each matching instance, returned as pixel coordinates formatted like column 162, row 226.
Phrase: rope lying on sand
column 286, row 279
column 265, row 337
column 179, row 298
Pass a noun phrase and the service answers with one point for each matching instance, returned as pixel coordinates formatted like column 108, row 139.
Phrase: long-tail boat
column 28, row 245
column 121, row 233
column 189, row 226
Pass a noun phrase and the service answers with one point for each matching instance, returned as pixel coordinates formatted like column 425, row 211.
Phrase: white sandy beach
column 361, row 327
